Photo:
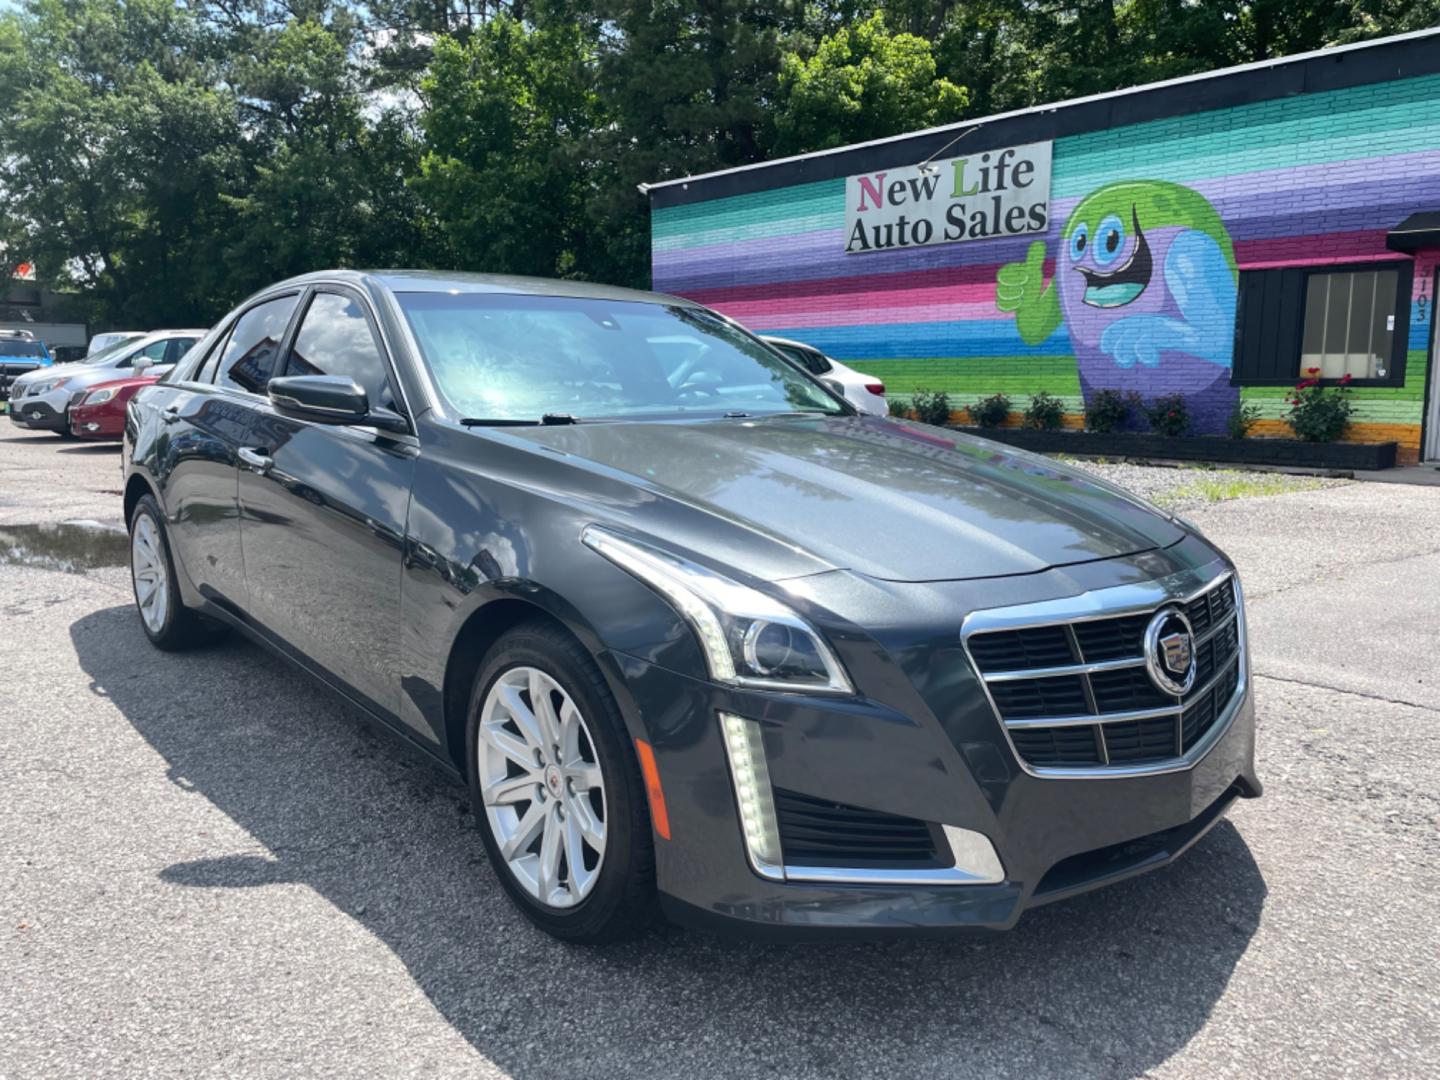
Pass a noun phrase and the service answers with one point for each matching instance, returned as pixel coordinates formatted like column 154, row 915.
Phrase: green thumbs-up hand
column 1020, row 287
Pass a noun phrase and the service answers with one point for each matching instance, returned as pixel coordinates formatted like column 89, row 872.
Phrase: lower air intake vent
column 818, row 832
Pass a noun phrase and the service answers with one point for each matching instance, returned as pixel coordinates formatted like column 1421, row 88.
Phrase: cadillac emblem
column 1170, row 651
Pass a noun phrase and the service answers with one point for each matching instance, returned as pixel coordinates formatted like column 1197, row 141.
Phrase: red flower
column 1345, row 379
column 1312, row 371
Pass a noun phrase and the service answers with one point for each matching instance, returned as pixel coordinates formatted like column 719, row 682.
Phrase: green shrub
column 1046, row 412
column 1318, row 414
column 1108, row 409
column 1239, row 422
column 991, row 411
column 931, row 407
column 1168, row 415
column 898, row 406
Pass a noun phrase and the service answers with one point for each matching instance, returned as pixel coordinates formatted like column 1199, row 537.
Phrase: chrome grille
column 1074, row 695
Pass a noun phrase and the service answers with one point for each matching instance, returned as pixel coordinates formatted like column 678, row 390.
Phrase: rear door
column 323, row 511
column 206, row 420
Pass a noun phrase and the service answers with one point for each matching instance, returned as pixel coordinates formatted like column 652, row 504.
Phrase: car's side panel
column 185, row 444
column 488, row 522
column 322, row 531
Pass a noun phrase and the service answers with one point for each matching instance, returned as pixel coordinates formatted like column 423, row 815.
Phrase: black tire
column 180, row 628
column 622, row 902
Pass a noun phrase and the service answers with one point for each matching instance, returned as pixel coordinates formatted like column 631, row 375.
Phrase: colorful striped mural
column 1305, row 180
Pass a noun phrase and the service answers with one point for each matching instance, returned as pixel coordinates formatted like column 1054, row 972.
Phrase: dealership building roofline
column 1341, row 67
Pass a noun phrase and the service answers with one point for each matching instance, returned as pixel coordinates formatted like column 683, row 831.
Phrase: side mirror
column 330, row 399
column 140, row 364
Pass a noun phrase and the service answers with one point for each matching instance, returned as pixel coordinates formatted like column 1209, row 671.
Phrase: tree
column 506, row 113
column 115, row 144
column 326, row 164
column 863, row 82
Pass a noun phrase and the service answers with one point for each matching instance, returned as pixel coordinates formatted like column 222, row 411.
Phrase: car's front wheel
column 557, row 789
column 167, row 622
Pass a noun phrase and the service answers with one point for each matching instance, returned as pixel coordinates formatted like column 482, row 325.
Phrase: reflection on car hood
column 882, row 497
column 76, row 375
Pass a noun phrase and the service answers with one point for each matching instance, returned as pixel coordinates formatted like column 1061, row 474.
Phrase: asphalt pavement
column 209, row 867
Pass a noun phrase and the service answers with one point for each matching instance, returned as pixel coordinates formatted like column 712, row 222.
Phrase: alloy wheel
column 148, row 568
column 542, row 787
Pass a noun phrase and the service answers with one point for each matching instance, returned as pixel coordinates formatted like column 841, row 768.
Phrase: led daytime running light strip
column 745, row 750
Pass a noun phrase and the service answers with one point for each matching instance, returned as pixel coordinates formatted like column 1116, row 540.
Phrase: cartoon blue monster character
column 1146, row 282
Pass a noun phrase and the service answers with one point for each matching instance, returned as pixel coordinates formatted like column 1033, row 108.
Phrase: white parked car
column 863, row 391
column 100, row 342
column 41, row 400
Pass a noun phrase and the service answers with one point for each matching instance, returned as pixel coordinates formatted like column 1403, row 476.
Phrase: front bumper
column 103, row 421
column 927, row 748
column 1054, row 838
column 40, row 413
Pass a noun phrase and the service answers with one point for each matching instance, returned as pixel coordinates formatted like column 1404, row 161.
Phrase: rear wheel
column 557, row 789
column 167, row 622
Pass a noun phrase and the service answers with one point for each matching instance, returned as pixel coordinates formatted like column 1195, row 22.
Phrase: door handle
column 255, row 460
column 171, row 414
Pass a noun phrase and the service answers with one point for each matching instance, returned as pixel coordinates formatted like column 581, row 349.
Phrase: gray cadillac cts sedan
column 700, row 639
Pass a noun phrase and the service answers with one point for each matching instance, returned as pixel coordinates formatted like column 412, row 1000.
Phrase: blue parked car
column 19, row 353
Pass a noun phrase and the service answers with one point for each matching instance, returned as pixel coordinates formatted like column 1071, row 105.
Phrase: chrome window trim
column 1111, row 603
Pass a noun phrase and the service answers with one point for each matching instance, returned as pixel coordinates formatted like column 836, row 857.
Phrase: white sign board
column 1002, row 192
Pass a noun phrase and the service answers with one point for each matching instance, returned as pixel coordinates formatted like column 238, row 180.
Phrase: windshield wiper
column 548, row 419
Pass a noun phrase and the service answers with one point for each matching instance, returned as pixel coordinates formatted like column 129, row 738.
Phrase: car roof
column 445, row 281
column 159, row 335
column 773, row 340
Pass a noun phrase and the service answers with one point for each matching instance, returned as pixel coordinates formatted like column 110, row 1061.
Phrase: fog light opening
column 745, row 752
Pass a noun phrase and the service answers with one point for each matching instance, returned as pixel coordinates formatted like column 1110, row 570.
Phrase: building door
column 1431, row 450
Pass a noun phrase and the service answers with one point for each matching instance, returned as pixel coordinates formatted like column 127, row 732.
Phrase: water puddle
column 72, row 547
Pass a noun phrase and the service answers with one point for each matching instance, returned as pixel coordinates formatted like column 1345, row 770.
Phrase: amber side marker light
column 659, row 817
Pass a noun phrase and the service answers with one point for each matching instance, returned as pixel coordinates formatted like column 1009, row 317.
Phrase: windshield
column 109, row 352
column 15, row 347
column 515, row 357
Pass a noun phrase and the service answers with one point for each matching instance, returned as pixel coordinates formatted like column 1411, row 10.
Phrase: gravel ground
column 1187, row 487
column 211, row 868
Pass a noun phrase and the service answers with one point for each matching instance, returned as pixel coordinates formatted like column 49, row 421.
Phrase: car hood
column 76, row 375
column 886, row 498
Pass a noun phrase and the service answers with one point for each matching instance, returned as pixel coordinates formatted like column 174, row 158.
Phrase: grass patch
column 1219, row 487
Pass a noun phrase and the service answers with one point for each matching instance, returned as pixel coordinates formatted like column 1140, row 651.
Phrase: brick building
column 1214, row 236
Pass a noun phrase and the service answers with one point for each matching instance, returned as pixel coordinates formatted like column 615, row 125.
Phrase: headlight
column 46, row 387
column 95, row 397
column 749, row 639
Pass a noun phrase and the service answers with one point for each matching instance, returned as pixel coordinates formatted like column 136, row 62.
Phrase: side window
column 335, row 339
column 154, row 352
column 206, row 372
column 816, row 363
column 178, row 347
column 250, row 356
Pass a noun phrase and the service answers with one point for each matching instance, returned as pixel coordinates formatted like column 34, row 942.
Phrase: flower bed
column 1287, row 452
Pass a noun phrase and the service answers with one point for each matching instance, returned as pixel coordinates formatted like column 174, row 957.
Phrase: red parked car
column 100, row 414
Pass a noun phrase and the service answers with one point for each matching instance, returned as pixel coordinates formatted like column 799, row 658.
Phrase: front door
column 322, row 514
